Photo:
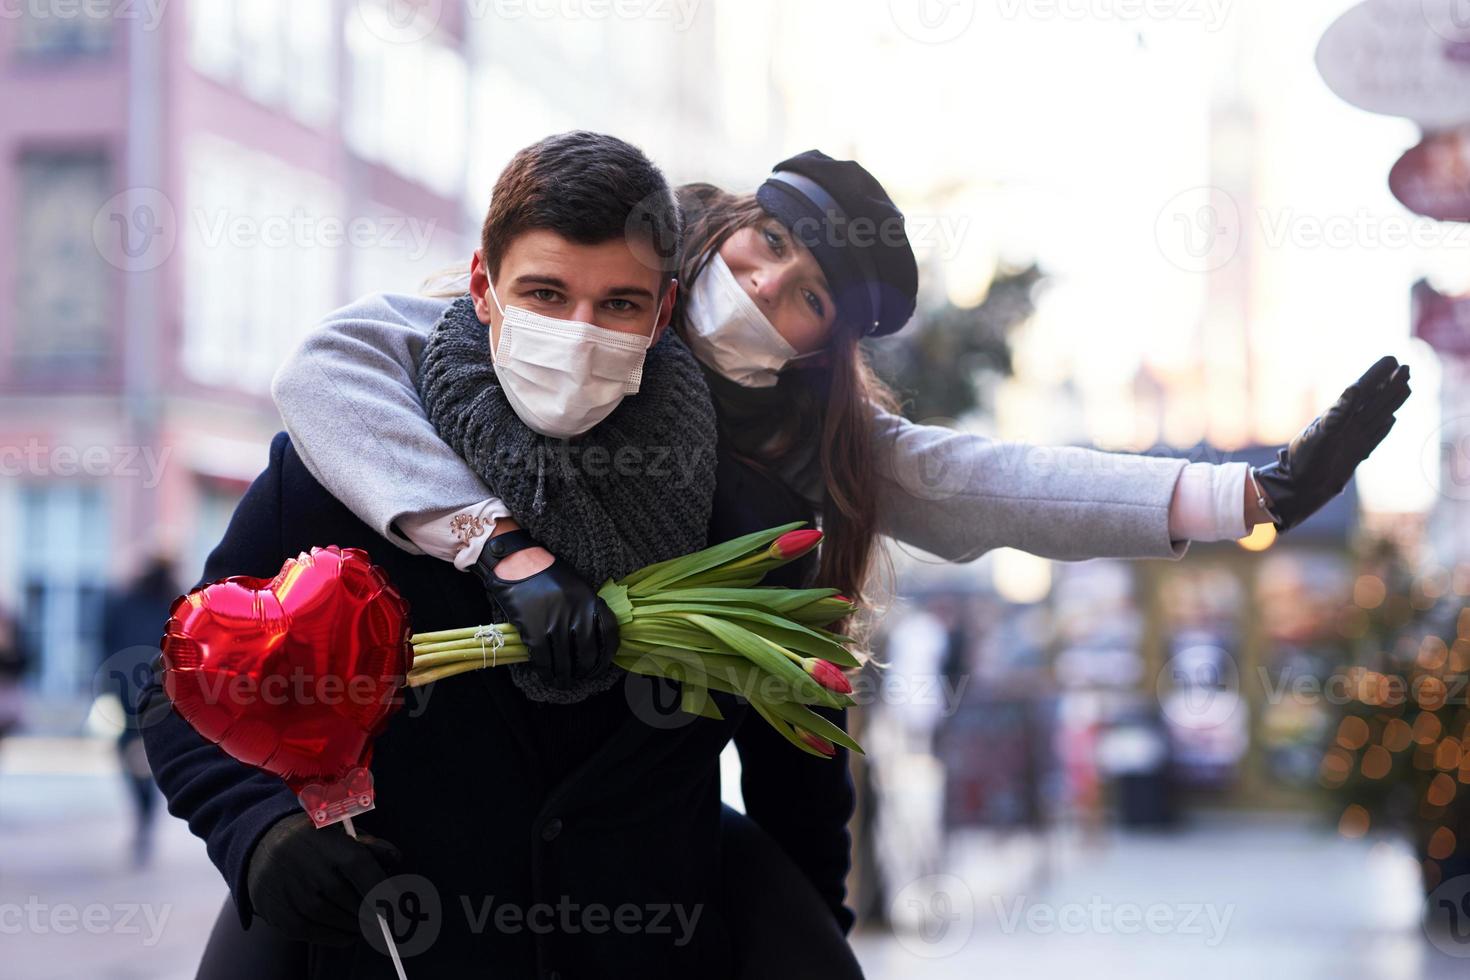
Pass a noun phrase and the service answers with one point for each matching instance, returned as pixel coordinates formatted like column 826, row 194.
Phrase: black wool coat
column 611, row 871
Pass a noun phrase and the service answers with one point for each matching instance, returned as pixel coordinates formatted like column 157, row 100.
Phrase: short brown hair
column 588, row 188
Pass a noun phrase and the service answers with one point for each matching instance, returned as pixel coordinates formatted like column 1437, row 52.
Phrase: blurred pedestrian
column 13, row 663
column 132, row 622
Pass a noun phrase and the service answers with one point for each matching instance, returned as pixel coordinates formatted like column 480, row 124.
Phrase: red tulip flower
column 815, row 741
column 794, row 544
column 827, row 674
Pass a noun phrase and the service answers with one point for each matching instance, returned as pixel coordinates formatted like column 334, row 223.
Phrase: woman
column 779, row 289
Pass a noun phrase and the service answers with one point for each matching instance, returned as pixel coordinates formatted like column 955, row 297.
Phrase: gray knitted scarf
column 636, row 489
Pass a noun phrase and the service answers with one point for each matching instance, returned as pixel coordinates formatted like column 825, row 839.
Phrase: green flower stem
column 460, row 634
column 489, row 658
column 513, row 643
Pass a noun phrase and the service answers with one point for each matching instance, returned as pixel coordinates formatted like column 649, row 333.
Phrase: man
column 553, row 831
column 130, row 619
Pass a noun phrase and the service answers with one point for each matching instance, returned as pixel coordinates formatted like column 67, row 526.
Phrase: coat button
column 551, row 829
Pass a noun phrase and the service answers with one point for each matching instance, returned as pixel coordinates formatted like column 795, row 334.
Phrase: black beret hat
column 856, row 233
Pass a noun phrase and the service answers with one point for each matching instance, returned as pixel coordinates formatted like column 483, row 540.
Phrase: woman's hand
column 1316, row 465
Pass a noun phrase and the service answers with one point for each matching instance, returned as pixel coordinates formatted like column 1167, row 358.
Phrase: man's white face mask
column 563, row 377
column 727, row 331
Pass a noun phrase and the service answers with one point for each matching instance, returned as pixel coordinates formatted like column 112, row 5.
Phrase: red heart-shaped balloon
column 296, row 674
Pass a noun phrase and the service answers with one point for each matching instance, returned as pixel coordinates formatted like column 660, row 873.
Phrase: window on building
column 277, row 52
column 264, row 244
column 63, row 284
column 63, row 568
column 406, row 106
column 214, row 506
column 58, row 30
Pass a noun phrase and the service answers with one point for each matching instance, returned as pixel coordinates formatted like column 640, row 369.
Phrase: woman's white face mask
column 563, row 377
column 727, row 330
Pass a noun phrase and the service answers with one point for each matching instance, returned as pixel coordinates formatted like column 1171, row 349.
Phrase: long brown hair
column 830, row 406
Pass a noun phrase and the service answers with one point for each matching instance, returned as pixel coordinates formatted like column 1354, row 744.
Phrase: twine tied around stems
column 497, row 641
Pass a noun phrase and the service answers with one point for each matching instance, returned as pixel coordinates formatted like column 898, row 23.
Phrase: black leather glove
column 1316, row 465
column 569, row 632
column 310, row 883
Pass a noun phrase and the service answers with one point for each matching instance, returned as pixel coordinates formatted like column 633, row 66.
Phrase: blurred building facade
column 183, row 197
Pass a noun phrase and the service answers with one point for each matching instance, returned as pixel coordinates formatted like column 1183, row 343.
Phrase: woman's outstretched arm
column 958, row 495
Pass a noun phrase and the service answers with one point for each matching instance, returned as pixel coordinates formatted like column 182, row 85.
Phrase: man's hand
column 310, row 883
column 1316, row 465
column 569, row 632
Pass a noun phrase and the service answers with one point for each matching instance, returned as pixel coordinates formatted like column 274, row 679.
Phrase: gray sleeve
column 958, row 495
column 349, row 398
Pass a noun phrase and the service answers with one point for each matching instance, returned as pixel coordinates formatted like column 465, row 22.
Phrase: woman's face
column 783, row 278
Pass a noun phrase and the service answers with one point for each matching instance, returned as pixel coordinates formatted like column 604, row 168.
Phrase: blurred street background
column 1156, row 228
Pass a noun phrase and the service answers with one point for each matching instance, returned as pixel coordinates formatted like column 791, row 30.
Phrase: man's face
column 614, row 285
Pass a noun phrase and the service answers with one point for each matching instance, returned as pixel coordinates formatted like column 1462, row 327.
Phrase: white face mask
column 563, row 377
column 727, row 331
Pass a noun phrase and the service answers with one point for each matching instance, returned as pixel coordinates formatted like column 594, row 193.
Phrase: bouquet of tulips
column 705, row 621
